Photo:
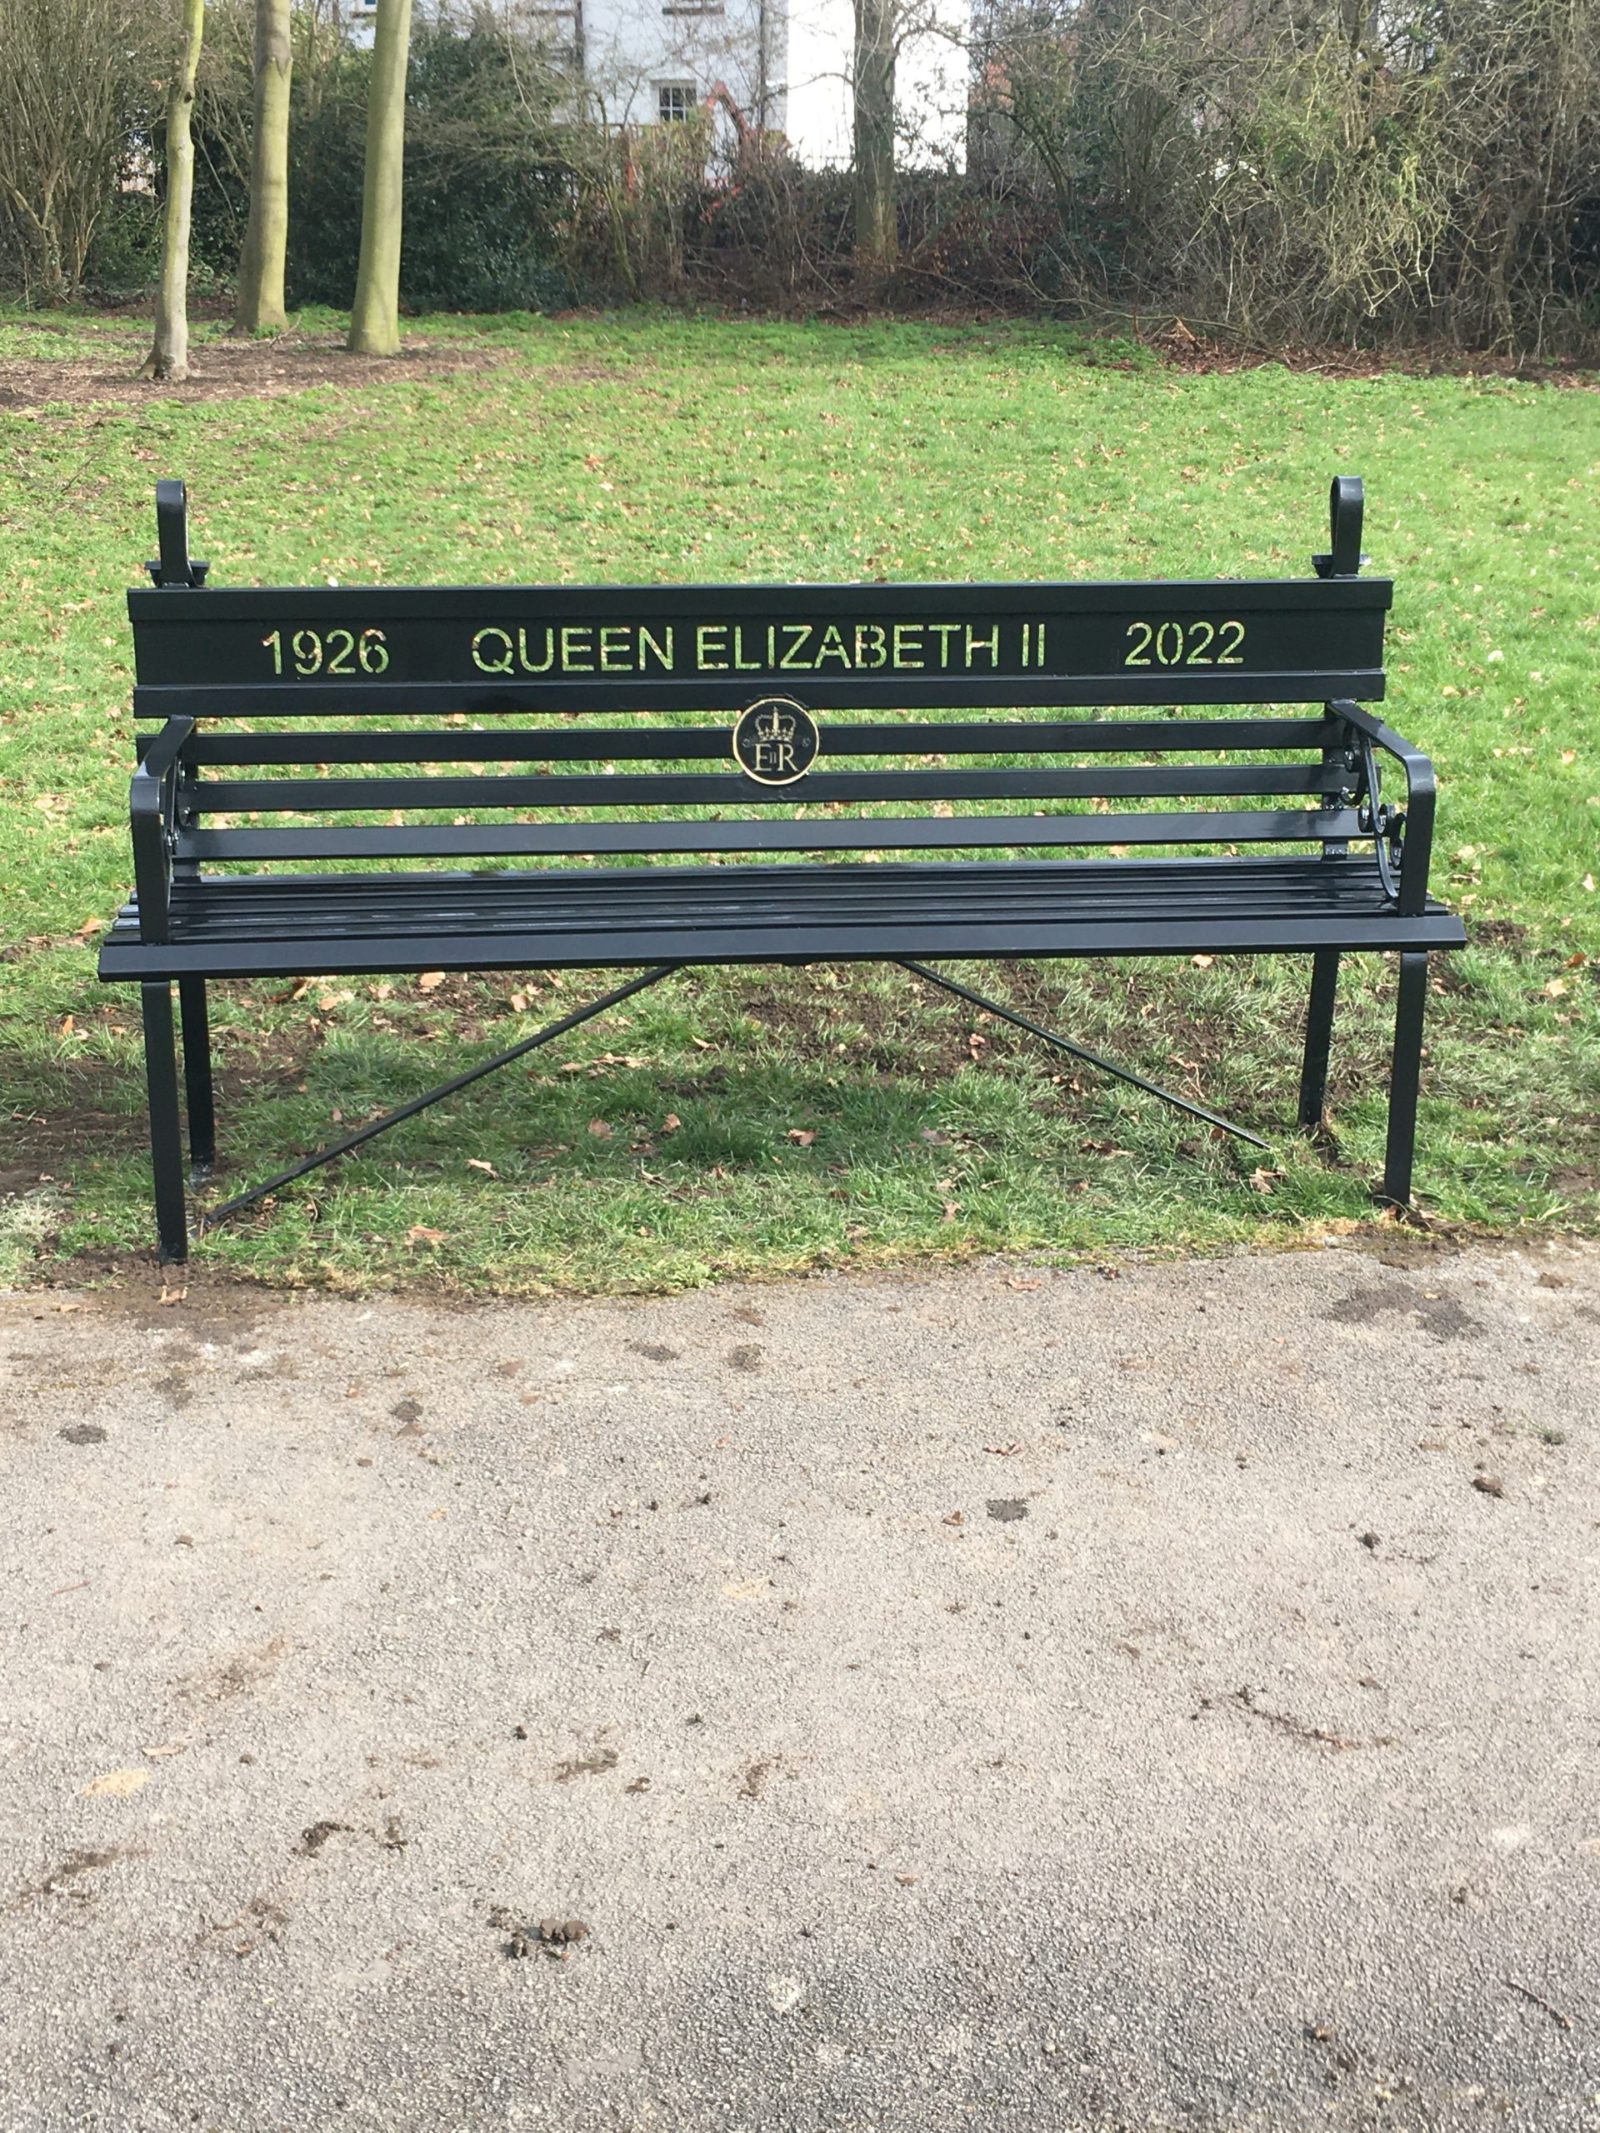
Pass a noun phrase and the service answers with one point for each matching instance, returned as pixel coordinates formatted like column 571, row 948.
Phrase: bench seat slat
column 649, row 743
column 857, row 833
column 762, row 914
column 730, row 789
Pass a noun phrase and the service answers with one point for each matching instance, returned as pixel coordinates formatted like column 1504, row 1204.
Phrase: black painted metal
column 1346, row 505
column 453, row 1087
column 1079, row 1051
column 1005, row 836
column 166, row 1130
column 1405, row 1080
column 1319, row 1038
column 195, row 1020
column 173, row 566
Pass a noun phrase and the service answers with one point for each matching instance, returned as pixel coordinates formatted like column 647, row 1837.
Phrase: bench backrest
column 716, row 719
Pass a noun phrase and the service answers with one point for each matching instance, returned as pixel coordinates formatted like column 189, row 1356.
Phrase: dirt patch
column 1184, row 350
column 239, row 370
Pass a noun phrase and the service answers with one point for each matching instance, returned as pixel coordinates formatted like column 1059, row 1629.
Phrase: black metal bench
column 691, row 791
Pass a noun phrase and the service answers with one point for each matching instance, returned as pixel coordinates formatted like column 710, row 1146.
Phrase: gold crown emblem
column 775, row 724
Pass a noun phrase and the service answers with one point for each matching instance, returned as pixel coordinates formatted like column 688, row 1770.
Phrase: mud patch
column 237, row 370
column 1441, row 1316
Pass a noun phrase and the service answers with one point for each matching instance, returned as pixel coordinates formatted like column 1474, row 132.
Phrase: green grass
column 668, row 448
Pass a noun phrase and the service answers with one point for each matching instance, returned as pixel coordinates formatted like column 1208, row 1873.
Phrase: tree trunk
column 375, row 318
column 874, row 135
column 266, row 238
column 169, row 356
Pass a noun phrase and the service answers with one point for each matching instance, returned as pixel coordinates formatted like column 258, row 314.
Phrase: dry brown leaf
column 802, row 1136
column 599, row 1128
column 430, row 981
column 418, row 1233
column 476, row 1162
column 1202, row 962
column 671, row 1122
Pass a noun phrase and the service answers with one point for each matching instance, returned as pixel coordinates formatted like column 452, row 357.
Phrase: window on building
column 675, row 101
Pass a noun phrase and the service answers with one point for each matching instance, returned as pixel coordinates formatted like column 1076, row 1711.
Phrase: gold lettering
column 708, row 638
column 797, row 632
column 903, row 648
column 501, row 664
column 832, row 646
column 944, row 631
column 871, row 639
column 614, row 650
column 648, row 643
column 989, row 645
column 773, row 758
column 536, row 666
column 743, row 665
column 575, row 644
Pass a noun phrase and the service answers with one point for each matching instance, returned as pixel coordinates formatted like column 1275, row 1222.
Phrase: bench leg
column 1405, row 1079
column 197, row 1078
column 166, row 1135
column 1319, row 1035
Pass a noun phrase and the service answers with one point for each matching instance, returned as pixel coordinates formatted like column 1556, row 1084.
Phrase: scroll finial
column 1346, row 502
column 172, row 534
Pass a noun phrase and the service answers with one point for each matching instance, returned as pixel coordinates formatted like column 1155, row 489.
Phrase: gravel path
column 1140, row 1701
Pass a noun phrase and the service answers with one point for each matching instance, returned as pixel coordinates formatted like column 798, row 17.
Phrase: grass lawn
column 781, row 1118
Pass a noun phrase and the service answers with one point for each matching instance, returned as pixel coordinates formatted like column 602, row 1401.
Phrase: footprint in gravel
column 408, row 1413
column 1006, row 1508
column 749, row 1355
column 82, row 1433
column 657, row 1351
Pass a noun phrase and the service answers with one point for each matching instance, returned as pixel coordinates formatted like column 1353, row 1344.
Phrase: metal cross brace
column 1078, row 1051
column 213, row 1215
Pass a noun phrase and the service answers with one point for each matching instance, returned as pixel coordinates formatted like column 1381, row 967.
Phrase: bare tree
column 375, row 317
column 169, row 356
column 70, row 85
column 876, row 45
column 260, row 305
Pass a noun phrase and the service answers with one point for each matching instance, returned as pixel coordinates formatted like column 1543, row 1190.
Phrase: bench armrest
column 153, row 817
column 1422, row 788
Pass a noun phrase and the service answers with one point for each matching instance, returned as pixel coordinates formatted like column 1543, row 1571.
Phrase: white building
column 784, row 64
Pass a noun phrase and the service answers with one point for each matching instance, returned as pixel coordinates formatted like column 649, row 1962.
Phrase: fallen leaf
column 417, row 1234
column 1202, row 962
column 599, row 1128
column 1264, row 1180
column 1557, row 988
column 671, row 1122
column 802, row 1136
column 476, row 1162
column 430, row 981
column 1022, row 1281
column 115, row 1785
